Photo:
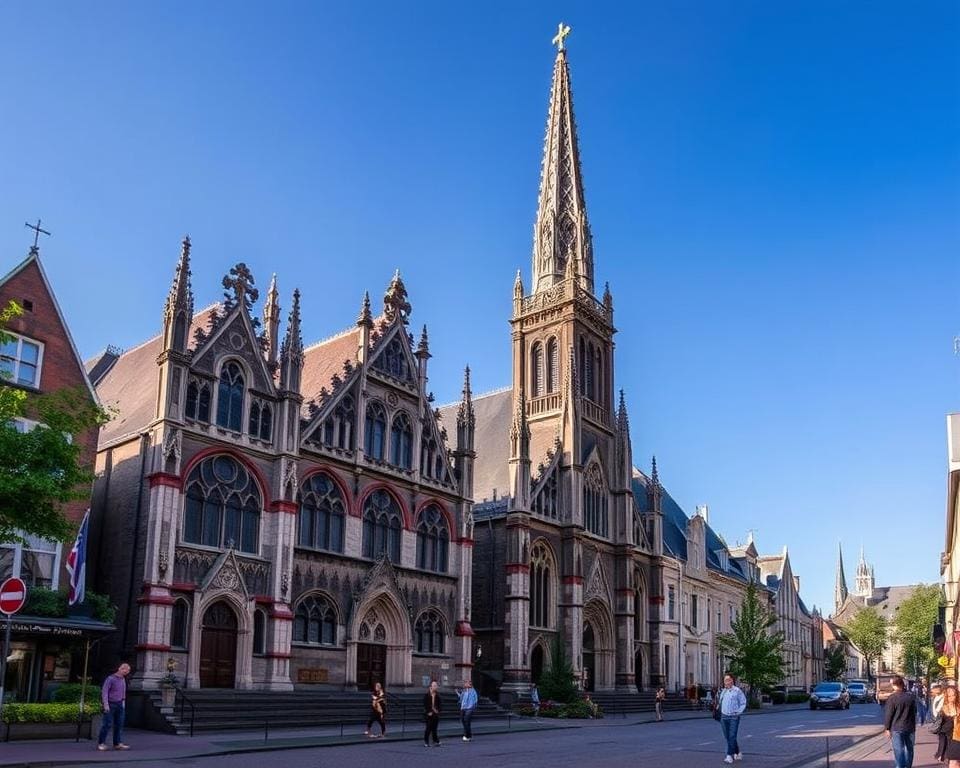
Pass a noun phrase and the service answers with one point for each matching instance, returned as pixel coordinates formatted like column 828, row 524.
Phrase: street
column 774, row 740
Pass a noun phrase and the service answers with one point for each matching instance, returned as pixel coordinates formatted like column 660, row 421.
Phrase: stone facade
column 293, row 515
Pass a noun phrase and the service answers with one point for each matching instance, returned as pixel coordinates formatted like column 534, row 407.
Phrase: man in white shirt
column 731, row 703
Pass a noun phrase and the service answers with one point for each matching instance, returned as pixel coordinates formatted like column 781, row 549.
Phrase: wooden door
column 371, row 665
column 218, row 647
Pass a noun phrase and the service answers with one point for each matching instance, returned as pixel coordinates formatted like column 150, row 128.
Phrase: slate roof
column 886, row 600
column 494, row 412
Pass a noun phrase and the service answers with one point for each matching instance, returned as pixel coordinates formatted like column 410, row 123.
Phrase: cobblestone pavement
column 781, row 740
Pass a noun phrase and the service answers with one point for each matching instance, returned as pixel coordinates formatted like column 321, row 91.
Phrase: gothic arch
column 597, row 615
column 252, row 468
column 357, row 511
column 244, row 615
column 544, row 580
column 329, row 471
column 381, row 618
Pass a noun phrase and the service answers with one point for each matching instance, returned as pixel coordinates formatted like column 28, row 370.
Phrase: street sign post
column 13, row 594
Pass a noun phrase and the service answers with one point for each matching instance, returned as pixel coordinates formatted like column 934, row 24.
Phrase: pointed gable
column 234, row 336
column 393, row 358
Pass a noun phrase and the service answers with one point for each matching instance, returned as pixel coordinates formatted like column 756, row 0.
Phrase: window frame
column 14, row 378
column 19, row 548
column 231, row 391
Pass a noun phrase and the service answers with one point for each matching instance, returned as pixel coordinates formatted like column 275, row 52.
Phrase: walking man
column 468, row 705
column 431, row 715
column 732, row 704
column 900, row 723
column 658, row 704
column 535, row 701
column 113, row 696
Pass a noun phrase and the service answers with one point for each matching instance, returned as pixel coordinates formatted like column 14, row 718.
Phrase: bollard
column 828, row 751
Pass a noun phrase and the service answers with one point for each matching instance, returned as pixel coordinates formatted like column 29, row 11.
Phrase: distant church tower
column 840, row 588
column 864, row 577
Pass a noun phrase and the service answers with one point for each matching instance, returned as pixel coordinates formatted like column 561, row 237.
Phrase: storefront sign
column 312, row 674
column 45, row 629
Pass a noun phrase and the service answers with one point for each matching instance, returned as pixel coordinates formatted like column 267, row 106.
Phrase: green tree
column 558, row 683
column 835, row 661
column 913, row 625
column 755, row 651
column 868, row 632
column 40, row 470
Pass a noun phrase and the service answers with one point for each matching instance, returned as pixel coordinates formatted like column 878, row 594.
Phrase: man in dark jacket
column 900, row 723
column 431, row 714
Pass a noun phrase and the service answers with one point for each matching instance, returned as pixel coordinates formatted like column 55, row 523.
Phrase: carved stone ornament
column 288, row 478
column 284, row 584
column 163, row 562
column 237, row 341
column 228, row 577
column 392, row 398
column 171, row 446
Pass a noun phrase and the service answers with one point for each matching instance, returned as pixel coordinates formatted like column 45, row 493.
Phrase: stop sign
column 13, row 594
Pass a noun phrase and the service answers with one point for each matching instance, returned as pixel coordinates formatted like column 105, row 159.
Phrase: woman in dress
column 948, row 746
column 378, row 711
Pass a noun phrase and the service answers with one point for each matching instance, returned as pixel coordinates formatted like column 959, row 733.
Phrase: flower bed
column 49, row 721
column 575, row 710
column 57, row 712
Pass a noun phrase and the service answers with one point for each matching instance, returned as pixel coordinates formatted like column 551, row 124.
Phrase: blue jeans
column 730, row 726
column 903, row 748
column 113, row 716
column 466, row 716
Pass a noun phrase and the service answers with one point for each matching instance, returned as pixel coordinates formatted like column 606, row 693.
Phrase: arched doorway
column 536, row 663
column 218, row 647
column 382, row 651
column 589, row 667
column 638, row 669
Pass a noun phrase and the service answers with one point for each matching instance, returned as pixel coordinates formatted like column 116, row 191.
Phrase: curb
column 859, row 748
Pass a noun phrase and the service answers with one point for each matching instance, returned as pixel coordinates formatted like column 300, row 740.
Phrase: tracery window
column 261, row 420
column 198, row 401
column 553, row 365
column 638, row 609
column 595, row 502
column 428, row 632
column 393, row 360
column 315, row 621
column 433, row 540
column 338, row 427
column 401, row 441
column 222, row 507
column 536, row 370
column 382, row 524
column 322, row 514
column 545, row 502
column 376, row 431
column 230, row 398
column 540, row 586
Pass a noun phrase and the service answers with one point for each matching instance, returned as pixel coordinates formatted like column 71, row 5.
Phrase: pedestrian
column 921, row 703
column 947, row 708
column 468, row 705
column 658, row 700
column 535, row 701
column 431, row 714
column 731, row 704
column 900, row 723
column 113, row 696
column 378, row 712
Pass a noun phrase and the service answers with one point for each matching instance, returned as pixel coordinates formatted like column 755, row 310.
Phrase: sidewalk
column 150, row 745
column 875, row 752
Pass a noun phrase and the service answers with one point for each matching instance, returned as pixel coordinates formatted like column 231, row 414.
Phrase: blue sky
column 774, row 191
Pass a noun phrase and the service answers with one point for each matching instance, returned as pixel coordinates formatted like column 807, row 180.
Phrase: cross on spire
column 562, row 32
column 37, row 231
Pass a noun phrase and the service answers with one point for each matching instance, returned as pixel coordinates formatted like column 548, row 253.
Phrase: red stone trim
column 151, row 647
column 657, row 600
column 280, row 505
column 573, row 580
column 518, row 568
column 463, row 629
column 625, row 591
column 278, row 655
column 465, row 542
column 165, row 479
column 155, row 594
column 185, row 586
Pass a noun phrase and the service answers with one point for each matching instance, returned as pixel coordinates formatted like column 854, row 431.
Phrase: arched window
column 428, row 632
column 553, row 365
column 338, row 428
column 536, row 370
column 376, row 431
column 401, row 441
column 222, row 507
column 540, row 586
column 598, row 388
column 261, row 420
column 198, row 401
column 315, row 621
column 595, row 502
column 180, row 625
column 393, row 360
column 433, row 540
column 259, row 632
column 382, row 523
column 545, row 502
column 428, row 452
column 230, row 398
column 321, row 514
column 638, row 611
column 582, row 361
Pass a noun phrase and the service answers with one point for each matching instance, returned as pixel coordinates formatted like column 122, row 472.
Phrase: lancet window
column 429, row 635
column 322, row 514
column 546, row 501
column 261, row 420
column 536, row 370
column 198, row 401
column 223, row 505
column 433, row 540
column 393, row 360
column 230, row 398
column 553, row 365
column 382, row 524
column 376, row 432
column 401, row 441
column 315, row 621
column 541, row 576
column 338, row 426
column 595, row 502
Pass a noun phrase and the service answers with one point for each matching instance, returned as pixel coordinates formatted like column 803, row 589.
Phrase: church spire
column 178, row 311
column 562, row 231
column 271, row 321
column 840, row 586
column 291, row 353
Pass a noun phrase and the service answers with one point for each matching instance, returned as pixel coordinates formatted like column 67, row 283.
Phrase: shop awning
column 73, row 627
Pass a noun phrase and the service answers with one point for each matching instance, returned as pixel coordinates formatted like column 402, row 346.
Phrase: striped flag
column 77, row 563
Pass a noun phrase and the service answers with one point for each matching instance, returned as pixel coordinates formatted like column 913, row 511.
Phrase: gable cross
column 562, row 32
column 240, row 281
column 37, row 231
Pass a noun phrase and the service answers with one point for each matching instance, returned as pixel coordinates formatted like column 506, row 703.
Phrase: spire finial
column 622, row 421
column 423, row 348
column 239, row 282
column 465, row 414
column 37, row 231
column 365, row 317
column 180, row 296
column 654, row 475
column 467, row 392
column 395, row 303
column 562, row 32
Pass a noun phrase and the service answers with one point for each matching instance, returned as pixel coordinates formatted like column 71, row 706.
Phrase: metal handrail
column 185, row 700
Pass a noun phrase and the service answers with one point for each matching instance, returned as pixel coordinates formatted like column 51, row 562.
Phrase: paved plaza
column 780, row 739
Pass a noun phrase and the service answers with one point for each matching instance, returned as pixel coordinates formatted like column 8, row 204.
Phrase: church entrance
column 589, row 667
column 638, row 669
column 371, row 665
column 536, row 663
column 218, row 647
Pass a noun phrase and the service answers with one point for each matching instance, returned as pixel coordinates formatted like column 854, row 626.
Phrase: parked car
column 858, row 692
column 830, row 696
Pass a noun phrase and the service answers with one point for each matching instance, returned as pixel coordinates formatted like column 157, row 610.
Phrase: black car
column 858, row 692
column 830, row 696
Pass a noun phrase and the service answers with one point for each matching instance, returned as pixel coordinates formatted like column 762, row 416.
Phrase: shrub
column 53, row 604
column 574, row 710
column 101, row 607
column 57, row 712
column 798, row 698
column 558, row 683
column 69, row 693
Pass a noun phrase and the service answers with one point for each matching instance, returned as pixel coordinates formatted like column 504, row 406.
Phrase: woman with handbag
column 378, row 711
column 948, row 738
